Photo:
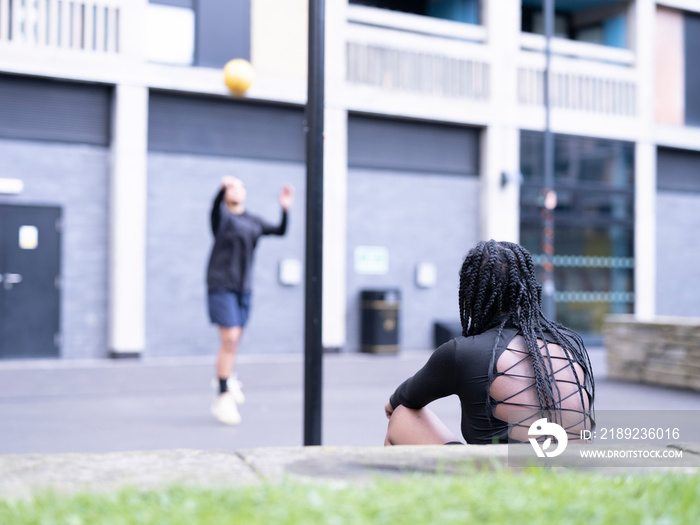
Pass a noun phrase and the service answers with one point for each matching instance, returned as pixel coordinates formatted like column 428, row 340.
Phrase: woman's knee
column 401, row 413
column 409, row 426
column 402, row 420
column 230, row 338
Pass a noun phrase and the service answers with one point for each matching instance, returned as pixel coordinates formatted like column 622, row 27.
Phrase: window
column 601, row 22
column 466, row 11
column 593, row 223
column 691, row 46
column 678, row 170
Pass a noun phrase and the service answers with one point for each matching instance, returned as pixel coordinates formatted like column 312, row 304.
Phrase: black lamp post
column 549, row 195
column 313, row 345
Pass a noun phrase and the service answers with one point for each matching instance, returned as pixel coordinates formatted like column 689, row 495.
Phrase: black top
column 461, row 367
column 235, row 238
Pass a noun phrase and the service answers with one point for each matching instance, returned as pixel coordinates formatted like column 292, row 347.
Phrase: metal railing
column 405, row 70
column 409, row 53
column 92, row 26
column 582, row 92
column 585, row 77
column 585, row 261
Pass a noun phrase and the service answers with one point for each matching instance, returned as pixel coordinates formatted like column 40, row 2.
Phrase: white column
column 127, row 264
column 335, row 181
column 335, row 229
column 500, row 190
column 500, row 142
column 645, row 230
column 645, row 163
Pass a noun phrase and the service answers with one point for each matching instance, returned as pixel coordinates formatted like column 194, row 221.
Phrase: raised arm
column 216, row 210
column 275, row 229
column 286, row 200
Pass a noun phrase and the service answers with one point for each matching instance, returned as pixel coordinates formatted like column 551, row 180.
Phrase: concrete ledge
column 24, row 475
column 361, row 464
column 663, row 351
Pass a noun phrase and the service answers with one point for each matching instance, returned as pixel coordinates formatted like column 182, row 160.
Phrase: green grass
column 537, row 496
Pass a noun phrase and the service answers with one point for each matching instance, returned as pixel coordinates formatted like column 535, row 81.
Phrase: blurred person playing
column 229, row 280
column 509, row 357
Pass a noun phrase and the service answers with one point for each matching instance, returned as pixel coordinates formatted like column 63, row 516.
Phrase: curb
column 24, row 475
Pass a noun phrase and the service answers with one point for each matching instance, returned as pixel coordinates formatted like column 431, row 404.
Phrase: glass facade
column 466, row 11
column 602, row 22
column 593, row 223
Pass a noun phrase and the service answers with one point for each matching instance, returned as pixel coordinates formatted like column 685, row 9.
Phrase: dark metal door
column 30, row 248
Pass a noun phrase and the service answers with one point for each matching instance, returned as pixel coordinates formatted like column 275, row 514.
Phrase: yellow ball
column 238, row 75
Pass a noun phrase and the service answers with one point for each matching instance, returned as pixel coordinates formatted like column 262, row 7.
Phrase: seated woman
column 511, row 364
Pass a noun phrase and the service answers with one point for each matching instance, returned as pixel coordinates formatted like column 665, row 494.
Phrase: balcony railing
column 87, row 26
column 412, row 54
column 579, row 92
column 585, row 77
column 405, row 70
column 415, row 54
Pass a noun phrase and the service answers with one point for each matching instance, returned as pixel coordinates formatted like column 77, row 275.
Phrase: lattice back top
column 461, row 366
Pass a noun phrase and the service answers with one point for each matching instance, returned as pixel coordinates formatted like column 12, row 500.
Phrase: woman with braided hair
column 511, row 364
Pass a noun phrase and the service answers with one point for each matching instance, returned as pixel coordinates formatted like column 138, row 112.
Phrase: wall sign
column 371, row 260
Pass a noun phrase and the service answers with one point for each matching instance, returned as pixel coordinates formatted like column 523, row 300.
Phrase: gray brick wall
column 677, row 254
column 74, row 177
column 180, row 193
column 419, row 218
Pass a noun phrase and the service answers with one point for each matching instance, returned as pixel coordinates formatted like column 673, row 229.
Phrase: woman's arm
column 438, row 378
column 216, row 210
column 275, row 229
column 286, row 200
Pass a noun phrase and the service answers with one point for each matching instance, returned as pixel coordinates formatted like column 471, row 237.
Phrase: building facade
column 116, row 128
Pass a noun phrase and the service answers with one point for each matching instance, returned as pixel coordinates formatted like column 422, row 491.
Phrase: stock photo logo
column 542, row 427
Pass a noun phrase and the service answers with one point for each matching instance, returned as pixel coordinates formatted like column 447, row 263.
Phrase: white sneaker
column 234, row 386
column 225, row 409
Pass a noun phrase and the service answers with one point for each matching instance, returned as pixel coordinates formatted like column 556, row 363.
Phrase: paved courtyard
column 106, row 406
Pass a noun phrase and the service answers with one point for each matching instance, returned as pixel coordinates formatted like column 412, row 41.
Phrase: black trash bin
column 380, row 321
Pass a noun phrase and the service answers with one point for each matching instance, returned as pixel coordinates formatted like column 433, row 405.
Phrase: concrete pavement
column 163, row 404
column 101, row 425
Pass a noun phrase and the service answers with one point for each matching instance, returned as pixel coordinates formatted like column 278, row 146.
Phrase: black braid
column 498, row 278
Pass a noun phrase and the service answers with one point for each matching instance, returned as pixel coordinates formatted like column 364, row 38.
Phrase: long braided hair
column 498, row 286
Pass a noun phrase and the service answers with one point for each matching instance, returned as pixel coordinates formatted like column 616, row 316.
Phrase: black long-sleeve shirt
column 461, row 367
column 235, row 239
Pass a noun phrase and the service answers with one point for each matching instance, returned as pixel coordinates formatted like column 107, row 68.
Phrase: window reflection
column 594, row 225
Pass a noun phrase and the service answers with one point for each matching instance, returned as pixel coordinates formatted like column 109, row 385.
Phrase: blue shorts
column 228, row 308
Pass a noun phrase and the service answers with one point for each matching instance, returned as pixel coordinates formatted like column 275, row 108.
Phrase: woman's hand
column 227, row 180
column 388, row 409
column 287, row 196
